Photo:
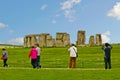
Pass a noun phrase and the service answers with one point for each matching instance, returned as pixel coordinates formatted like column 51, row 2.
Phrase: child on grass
column 4, row 57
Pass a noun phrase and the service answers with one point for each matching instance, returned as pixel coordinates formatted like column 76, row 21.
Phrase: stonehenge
column 92, row 41
column 98, row 39
column 46, row 40
column 62, row 39
column 43, row 40
column 80, row 38
column 95, row 41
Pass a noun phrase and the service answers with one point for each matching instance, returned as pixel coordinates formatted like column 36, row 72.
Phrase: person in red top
column 33, row 56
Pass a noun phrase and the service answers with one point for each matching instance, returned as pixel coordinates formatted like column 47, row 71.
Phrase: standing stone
column 91, row 41
column 29, row 41
column 50, row 41
column 81, row 38
column 33, row 40
column 42, row 40
column 62, row 39
column 59, row 41
column 66, row 39
column 98, row 39
column 25, row 41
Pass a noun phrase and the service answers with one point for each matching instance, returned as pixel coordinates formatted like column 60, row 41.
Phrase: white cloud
column 115, row 11
column 2, row 25
column 43, row 7
column 105, row 37
column 67, row 7
column 16, row 41
column 68, row 4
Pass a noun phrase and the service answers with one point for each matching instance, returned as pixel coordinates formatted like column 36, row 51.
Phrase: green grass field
column 54, row 61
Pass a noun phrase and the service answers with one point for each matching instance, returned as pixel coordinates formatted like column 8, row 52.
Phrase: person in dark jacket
column 107, row 55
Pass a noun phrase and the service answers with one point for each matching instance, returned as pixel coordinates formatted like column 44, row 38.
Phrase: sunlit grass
column 54, row 61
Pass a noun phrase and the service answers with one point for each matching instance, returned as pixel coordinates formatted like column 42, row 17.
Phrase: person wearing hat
column 107, row 55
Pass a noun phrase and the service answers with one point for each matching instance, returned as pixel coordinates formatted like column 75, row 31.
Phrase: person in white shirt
column 73, row 56
column 38, row 55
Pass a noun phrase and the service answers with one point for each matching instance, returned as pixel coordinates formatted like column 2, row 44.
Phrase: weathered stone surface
column 98, row 39
column 81, row 38
column 92, row 41
column 66, row 39
column 44, row 40
column 28, row 41
column 59, row 36
column 62, row 39
column 59, row 43
column 33, row 40
column 25, row 41
column 50, row 41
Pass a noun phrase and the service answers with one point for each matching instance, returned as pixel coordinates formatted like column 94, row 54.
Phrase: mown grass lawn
column 54, row 61
column 56, row 74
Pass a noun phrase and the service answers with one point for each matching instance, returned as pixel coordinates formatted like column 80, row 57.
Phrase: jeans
column 107, row 61
column 38, row 61
column 5, row 63
column 34, row 63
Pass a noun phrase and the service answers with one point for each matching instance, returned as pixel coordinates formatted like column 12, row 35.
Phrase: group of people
column 107, row 55
column 35, row 56
column 36, row 51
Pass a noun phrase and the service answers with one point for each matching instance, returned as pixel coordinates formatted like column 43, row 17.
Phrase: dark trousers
column 72, row 62
column 107, row 61
column 34, row 63
column 5, row 63
column 38, row 61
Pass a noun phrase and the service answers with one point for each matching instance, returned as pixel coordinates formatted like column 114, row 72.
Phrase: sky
column 22, row 17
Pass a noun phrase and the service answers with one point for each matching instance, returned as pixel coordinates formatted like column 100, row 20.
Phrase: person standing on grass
column 73, row 56
column 4, row 57
column 33, row 56
column 107, row 55
column 38, row 55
